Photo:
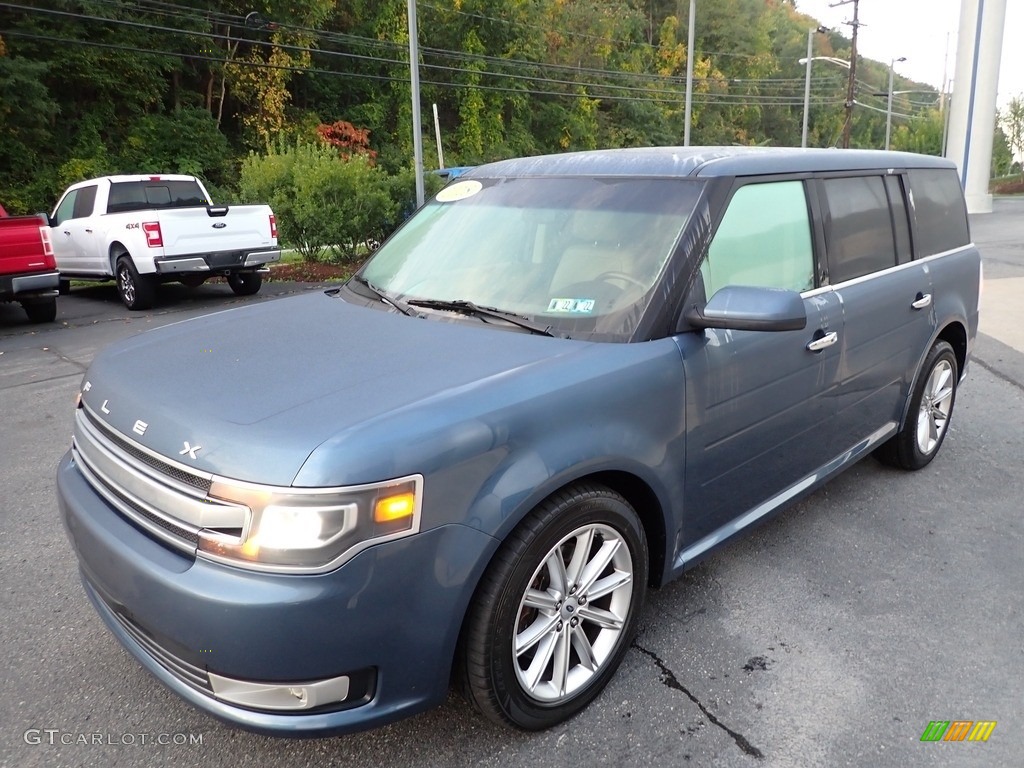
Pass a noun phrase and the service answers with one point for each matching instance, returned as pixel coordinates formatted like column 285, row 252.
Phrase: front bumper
column 388, row 619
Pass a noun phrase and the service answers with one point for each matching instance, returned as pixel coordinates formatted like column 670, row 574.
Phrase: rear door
column 757, row 403
column 886, row 299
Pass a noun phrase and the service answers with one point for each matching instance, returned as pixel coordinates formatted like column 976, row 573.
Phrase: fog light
column 280, row 696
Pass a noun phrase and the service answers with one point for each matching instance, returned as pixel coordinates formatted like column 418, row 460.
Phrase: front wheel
column 136, row 291
column 931, row 406
column 245, row 283
column 556, row 610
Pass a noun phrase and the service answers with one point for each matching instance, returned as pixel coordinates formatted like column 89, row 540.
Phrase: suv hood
column 258, row 388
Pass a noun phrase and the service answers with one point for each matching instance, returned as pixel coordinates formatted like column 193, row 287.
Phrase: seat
column 595, row 247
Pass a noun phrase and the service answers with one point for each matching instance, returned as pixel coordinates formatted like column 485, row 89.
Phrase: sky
column 917, row 29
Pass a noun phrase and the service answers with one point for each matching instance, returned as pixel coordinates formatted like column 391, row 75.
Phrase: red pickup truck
column 28, row 272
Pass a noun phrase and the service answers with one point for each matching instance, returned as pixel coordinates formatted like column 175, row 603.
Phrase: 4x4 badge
column 190, row 450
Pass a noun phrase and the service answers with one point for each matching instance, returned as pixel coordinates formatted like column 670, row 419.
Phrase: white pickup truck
column 146, row 230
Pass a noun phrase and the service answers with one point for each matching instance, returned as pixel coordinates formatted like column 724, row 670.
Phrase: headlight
column 311, row 530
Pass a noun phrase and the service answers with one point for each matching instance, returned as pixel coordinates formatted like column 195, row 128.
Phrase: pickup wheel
column 192, row 281
column 245, row 283
column 44, row 311
column 63, row 286
column 136, row 291
column 556, row 610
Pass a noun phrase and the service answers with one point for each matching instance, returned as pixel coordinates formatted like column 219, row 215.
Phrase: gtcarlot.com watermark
column 56, row 736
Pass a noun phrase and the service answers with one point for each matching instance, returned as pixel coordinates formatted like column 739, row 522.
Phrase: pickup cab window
column 163, row 193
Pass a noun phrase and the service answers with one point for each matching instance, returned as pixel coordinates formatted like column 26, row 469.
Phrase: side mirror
column 746, row 308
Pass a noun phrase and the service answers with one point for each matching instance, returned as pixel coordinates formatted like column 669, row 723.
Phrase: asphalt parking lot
column 832, row 636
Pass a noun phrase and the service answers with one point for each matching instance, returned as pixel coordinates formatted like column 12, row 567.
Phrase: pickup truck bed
column 28, row 274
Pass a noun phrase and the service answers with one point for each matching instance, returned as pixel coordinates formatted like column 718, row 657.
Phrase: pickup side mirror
column 746, row 308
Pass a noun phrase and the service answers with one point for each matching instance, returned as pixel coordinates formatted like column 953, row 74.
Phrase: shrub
column 322, row 202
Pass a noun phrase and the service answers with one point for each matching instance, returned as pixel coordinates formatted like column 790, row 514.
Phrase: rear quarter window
column 939, row 210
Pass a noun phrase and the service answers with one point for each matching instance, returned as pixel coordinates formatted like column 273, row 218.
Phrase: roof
column 705, row 161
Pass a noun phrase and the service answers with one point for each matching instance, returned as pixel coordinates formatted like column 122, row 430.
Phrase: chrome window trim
column 887, row 271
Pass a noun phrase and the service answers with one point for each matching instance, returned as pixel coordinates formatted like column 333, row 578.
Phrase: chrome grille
column 160, row 497
column 181, row 475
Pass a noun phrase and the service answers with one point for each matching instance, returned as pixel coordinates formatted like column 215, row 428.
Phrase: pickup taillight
column 154, row 238
column 44, row 234
column 273, row 225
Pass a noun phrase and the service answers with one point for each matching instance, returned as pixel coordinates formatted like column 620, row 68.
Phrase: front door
column 757, row 402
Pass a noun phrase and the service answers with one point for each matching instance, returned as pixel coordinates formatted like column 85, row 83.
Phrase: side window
column 939, row 210
column 84, row 202
column 66, row 208
column 860, row 235
column 764, row 240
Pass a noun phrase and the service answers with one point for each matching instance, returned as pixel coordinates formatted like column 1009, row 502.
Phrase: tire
column 44, row 311
column 136, row 291
column 245, row 283
column 931, row 407
column 570, row 638
column 63, row 286
column 192, row 281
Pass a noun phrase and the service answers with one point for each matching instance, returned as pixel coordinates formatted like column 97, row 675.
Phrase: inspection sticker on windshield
column 571, row 305
column 460, row 190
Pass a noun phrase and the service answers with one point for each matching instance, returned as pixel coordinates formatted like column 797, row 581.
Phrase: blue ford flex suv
column 564, row 380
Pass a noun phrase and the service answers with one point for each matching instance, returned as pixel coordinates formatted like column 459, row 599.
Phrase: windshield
column 581, row 255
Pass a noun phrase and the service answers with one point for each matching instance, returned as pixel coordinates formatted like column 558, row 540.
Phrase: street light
column 807, row 77
column 888, row 110
column 689, row 74
column 807, row 81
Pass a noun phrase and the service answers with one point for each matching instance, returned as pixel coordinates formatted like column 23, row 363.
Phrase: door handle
column 923, row 300
column 89, row 231
column 825, row 341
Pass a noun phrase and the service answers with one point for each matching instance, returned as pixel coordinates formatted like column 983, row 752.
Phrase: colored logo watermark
column 958, row 730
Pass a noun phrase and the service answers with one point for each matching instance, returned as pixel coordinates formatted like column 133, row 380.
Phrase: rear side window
column 142, row 195
column 940, row 211
column 860, row 235
column 84, row 202
column 764, row 240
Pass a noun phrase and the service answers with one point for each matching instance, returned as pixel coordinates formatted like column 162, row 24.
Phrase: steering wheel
column 613, row 275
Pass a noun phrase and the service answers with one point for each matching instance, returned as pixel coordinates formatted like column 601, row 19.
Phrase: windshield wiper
column 469, row 308
column 398, row 304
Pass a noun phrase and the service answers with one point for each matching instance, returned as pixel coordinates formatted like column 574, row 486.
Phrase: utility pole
column 853, row 70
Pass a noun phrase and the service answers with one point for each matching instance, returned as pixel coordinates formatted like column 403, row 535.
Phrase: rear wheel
column 556, row 610
column 43, row 311
column 245, row 283
column 192, row 281
column 64, row 287
column 931, row 406
column 136, row 291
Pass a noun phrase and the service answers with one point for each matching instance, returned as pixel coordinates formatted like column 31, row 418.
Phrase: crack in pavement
column 996, row 372
column 669, row 678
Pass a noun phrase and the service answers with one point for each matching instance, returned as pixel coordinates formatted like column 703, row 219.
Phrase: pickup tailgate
column 25, row 245
column 194, row 231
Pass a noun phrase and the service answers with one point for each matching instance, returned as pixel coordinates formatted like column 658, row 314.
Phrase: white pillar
column 973, row 110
